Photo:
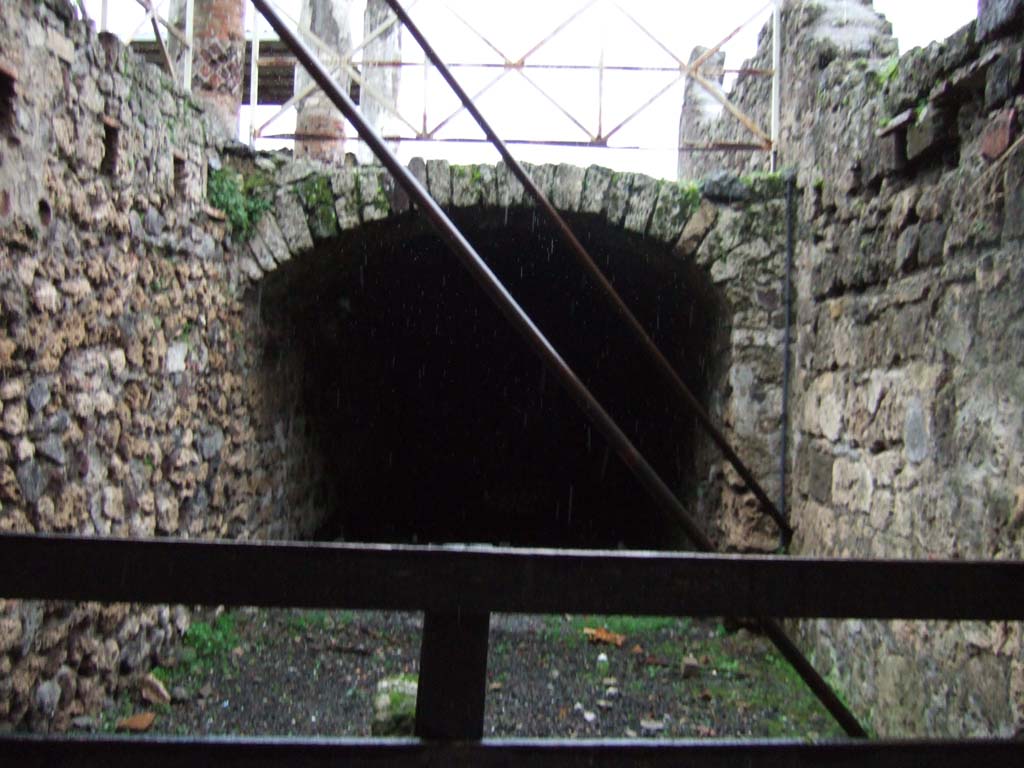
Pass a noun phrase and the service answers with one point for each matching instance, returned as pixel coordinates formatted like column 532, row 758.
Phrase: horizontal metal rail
column 718, row 146
column 480, row 579
column 154, row 752
column 583, row 257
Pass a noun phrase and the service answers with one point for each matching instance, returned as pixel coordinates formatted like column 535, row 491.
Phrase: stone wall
column 143, row 393
column 135, row 396
column 909, row 390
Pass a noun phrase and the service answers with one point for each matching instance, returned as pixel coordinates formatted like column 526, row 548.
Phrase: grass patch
column 207, row 647
column 243, row 199
column 627, row 625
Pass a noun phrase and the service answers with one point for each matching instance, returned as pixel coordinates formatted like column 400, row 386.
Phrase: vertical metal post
column 776, row 80
column 787, row 301
column 600, row 74
column 254, row 75
column 186, row 74
column 453, row 676
column 104, row 15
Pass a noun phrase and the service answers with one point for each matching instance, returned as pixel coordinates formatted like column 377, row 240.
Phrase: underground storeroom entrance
column 436, row 423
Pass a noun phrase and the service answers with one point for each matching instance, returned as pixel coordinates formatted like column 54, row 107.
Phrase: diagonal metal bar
column 153, row 15
column 584, row 258
column 346, row 58
column 376, row 95
column 653, row 485
column 144, row 22
column 700, row 60
column 554, row 33
column 569, row 116
column 714, row 91
column 518, row 64
column 477, row 33
column 462, row 108
column 159, row 38
column 645, row 105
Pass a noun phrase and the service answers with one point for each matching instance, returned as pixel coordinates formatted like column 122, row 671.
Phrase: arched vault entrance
column 435, row 422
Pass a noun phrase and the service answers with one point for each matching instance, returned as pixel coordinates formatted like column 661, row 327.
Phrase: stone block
column 543, row 176
column 60, row 46
column 509, row 190
column 814, row 473
column 594, row 186
column 291, row 220
column 1013, row 227
column 892, row 144
column 696, row 229
column 567, row 191
column 933, row 238
column 907, row 248
column 374, row 200
column 996, row 17
column 250, row 268
column 318, row 201
column 929, row 134
column 269, row 233
column 999, row 134
column 616, row 199
column 725, row 187
column 488, row 185
column 261, row 254
column 439, row 181
column 345, row 186
column 1003, row 78
column 672, row 211
column 467, row 186
column 642, row 199
column 852, row 485
column 916, row 438
column 400, row 202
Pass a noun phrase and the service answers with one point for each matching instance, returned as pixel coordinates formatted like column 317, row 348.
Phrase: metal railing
column 458, row 587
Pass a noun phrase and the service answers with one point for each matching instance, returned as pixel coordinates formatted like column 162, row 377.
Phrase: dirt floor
column 274, row 672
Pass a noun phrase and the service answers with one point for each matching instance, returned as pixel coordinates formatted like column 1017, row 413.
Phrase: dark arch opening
column 435, row 420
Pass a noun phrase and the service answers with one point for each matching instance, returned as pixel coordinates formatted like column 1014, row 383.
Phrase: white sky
column 518, row 111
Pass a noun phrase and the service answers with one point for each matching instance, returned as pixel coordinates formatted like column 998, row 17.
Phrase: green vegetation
column 207, row 646
column 300, row 622
column 244, row 200
column 920, row 110
column 690, row 193
column 886, row 73
column 318, row 201
column 765, row 185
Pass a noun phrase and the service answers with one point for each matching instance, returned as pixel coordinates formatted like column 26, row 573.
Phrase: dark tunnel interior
column 438, row 423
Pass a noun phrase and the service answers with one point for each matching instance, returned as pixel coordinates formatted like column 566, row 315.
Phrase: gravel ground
column 271, row 672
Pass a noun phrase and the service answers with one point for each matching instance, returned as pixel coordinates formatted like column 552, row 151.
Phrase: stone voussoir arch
column 312, row 203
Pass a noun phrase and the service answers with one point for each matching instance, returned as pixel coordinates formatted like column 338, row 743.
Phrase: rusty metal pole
column 587, row 262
